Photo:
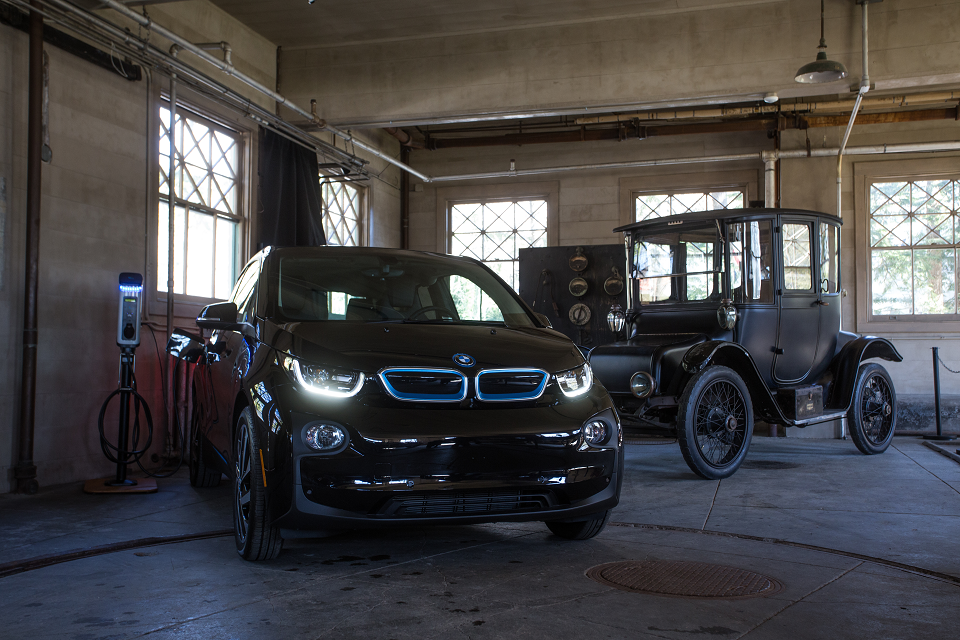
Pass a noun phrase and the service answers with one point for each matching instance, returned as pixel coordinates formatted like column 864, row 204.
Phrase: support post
column 936, row 398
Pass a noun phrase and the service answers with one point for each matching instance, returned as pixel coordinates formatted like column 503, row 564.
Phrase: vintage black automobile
column 348, row 387
column 735, row 315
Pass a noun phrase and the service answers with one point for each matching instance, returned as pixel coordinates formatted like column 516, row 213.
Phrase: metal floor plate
column 684, row 579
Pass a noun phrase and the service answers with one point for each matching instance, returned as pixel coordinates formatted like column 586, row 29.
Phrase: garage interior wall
column 96, row 195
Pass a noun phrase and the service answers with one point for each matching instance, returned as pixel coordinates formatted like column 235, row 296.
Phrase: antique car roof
column 654, row 224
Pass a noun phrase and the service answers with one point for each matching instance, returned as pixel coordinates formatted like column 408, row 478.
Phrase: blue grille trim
column 423, row 397
column 513, row 397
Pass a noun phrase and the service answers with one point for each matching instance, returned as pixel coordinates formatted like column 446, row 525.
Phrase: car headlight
column 324, row 381
column 575, row 382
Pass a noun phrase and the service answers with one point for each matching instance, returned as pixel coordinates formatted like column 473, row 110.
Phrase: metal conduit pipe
column 223, row 45
column 25, row 472
column 171, row 247
column 229, row 69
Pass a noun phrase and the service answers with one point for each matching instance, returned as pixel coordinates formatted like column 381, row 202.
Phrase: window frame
column 205, row 109
column 745, row 180
column 362, row 234
column 865, row 175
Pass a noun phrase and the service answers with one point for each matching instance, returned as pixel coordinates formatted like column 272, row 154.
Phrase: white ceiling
column 298, row 24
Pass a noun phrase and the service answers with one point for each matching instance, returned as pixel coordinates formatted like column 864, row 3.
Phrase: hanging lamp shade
column 821, row 69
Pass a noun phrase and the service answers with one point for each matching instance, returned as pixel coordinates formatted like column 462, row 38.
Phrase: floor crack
column 712, row 502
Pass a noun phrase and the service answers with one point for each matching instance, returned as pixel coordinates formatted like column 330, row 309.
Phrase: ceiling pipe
column 406, row 140
column 222, row 45
column 229, row 69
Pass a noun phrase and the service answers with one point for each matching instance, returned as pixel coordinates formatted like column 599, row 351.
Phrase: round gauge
column 614, row 284
column 578, row 262
column 579, row 314
column 578, row 287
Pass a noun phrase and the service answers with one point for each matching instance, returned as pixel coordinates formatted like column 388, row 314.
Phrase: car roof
column 337, row 250
column 655, row 224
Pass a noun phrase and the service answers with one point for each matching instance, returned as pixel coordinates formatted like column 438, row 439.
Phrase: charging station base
column 144, row 485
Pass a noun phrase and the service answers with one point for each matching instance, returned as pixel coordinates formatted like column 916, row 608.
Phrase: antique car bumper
column 417, row 465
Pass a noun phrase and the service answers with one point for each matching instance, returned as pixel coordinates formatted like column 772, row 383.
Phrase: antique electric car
column 347, row 388
column 735, row 315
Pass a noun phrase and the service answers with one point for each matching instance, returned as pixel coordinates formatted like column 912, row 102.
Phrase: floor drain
column 684, row 579
column 768, row 464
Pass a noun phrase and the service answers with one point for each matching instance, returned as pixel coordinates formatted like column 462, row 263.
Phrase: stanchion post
column 936, row 397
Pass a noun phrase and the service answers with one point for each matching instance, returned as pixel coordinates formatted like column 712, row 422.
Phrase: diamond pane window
column 494, row 233
column 207, row 210
column 914, row 236
column 341, row 213
column 659, row 205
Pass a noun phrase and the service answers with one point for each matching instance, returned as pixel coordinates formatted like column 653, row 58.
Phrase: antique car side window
column 797, row 257
column 678, row 266
column 750, row 262
column 829, row 258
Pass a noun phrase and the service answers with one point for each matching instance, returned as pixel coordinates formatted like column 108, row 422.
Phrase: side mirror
column 221, row 315
column 544, row 320
column 186, row 346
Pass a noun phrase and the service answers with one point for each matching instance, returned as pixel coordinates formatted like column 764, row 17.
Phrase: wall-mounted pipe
column 222, row 45
column 25, row 473
column 171, row 249
column 229, row 69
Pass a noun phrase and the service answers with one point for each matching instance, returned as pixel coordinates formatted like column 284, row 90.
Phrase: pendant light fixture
column 821, row 69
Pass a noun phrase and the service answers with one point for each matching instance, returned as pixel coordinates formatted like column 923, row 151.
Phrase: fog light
column 596, row 432
column 641, row 384
column 323, row 437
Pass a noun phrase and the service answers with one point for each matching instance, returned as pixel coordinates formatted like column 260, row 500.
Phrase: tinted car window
column 369, row 288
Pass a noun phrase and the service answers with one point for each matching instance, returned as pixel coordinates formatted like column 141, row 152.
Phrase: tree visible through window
column 494, row 233
column 660, row 205
column 914, row 235
column 207, row 215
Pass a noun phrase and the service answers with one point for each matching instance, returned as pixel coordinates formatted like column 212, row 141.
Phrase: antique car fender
column 735, row 357
column 846, row 365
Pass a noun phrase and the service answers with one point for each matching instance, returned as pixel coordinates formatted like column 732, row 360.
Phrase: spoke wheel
column 255, row 537
column 201, row 475
column 872, row 417
column 715, row 422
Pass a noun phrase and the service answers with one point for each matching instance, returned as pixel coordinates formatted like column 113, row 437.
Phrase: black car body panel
column 479, row 458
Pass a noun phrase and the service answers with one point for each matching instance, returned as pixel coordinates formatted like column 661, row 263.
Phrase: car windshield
column 682, row 265
column 390, row 288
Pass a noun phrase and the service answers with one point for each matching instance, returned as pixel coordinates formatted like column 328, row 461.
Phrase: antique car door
column 828, row 259
column 752, row 284
column 230, row 355
column 799, row 329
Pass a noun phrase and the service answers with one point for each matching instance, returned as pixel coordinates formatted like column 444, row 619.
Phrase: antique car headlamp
column 642, row 384
column 322, row 380
column 616, row 318
column 575, row 382
column 323, row 437
column 596, row 432
column 727, row 314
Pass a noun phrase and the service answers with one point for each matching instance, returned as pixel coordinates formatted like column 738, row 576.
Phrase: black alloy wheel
column 256, row 539
column 580, row 530
column 872, row 417
column 715, row 423
column 200, row 474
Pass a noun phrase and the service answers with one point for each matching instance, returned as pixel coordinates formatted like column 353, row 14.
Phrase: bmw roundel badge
column 464, row 360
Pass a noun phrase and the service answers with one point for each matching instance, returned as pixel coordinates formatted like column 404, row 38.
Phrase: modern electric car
column 734, row 314
column 358, row 387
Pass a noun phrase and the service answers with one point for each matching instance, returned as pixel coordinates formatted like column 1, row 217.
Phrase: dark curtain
column 290, row 206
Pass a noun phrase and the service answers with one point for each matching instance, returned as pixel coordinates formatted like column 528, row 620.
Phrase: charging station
column 125, row 453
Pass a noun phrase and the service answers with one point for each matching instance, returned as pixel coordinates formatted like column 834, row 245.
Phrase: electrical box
column 128, row 318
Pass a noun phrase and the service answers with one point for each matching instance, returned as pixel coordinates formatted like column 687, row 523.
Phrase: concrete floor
column 518, row 581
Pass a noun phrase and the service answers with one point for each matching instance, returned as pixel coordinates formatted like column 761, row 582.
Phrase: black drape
column 290, row 205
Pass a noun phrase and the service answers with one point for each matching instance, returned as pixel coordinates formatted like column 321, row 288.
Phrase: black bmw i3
column 344, row 388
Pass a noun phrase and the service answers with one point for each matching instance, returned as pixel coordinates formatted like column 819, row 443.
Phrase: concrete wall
column 98, row 205
column 651, row 54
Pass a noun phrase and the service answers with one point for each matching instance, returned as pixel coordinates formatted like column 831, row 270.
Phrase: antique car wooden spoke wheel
column 873, row 415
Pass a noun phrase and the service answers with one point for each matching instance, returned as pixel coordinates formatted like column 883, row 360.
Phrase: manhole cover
column 684, row 579
column 768, row 464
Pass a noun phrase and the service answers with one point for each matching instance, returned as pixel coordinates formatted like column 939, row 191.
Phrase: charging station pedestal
column 128, row 339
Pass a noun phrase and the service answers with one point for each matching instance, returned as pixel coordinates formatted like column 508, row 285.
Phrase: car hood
column 372, row 346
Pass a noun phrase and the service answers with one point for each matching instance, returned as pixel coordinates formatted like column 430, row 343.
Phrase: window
column 914, row 232
column 797, row 257
column 494, row 233
column 675, row 266
column 207, row 214
column 750, row 262
column 341, row 213
column 659, row 205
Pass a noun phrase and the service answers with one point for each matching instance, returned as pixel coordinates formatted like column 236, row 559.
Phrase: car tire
column 872, row 417
column 715, row 422
column 256, row 538
column 581, row 530
column 200, row 474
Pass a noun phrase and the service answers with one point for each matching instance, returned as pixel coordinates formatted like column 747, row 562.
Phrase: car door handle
column 822, row 303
